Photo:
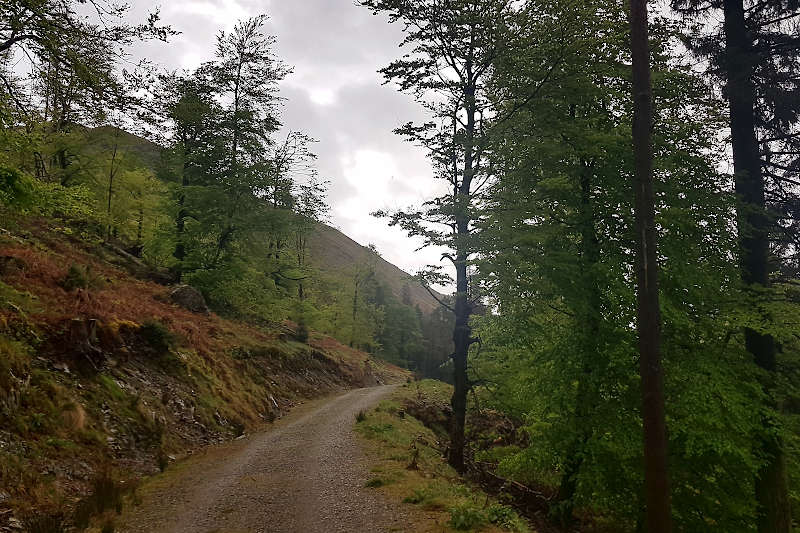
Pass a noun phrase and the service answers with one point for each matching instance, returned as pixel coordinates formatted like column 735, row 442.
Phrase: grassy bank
column 409, row 466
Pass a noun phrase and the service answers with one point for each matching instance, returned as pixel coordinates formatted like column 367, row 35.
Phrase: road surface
column 305, row 475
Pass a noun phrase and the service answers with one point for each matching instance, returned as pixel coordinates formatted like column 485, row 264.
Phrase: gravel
column 306, row 475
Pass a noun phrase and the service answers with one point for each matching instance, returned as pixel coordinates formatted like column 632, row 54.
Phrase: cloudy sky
column 334, row 94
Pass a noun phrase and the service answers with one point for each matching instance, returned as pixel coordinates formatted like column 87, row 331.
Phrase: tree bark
column 753, row 226
column 111, row 173
column 462, row 332
column 657, row 492
column 180, row 220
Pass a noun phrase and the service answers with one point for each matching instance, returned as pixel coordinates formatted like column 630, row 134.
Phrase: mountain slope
column 103, row 378
column 333, row 251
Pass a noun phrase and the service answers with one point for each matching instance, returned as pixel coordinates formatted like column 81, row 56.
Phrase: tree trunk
column 657, row 492
column 753, row 228
column 180, row 221
column 111, row 173
column 461, row 339
column 462, row 333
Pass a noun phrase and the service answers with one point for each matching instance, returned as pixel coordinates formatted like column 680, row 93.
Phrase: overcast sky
column 335, row 94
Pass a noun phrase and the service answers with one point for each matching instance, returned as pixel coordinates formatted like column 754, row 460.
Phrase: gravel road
column 305, row 475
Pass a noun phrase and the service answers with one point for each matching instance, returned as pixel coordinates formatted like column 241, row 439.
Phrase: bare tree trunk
column 112, row 171
column 753, row 227
column 657, row 492
column 180, row 220
column 462, row 334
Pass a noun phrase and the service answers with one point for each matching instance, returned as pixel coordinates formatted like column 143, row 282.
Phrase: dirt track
column 305, row 475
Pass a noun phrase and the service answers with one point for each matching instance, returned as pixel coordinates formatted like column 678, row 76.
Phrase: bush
column 301, row 334
column 76, row 278
column 16, row 189
column 361, row 416
column 505, row 517
column 158, row 337
column 466, row 516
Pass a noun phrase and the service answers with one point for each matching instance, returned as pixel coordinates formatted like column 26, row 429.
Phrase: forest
column 620, row 220
column 191, row 172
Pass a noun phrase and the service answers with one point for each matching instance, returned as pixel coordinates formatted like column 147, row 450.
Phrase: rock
column 189, row 298
column 4, row 497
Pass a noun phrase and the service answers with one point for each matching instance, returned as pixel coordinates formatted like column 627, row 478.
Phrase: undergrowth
column 410, row 468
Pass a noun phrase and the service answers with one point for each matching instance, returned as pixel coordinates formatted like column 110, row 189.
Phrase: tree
column 73, row 55
column 754, row 53
column 453, row 47
column 648, row 326
column 557, row 248
column 245, row 74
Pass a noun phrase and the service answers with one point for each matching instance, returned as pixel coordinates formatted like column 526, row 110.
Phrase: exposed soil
column 306, row 474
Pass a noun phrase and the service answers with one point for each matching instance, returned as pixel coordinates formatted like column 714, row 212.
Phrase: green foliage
column 158, row 336
column 466, row 516
column 69, row 203
column 76, row 278
column 16, row 189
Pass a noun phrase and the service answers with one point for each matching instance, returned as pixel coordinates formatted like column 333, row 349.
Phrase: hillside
column 103, row 379
column 333, row 251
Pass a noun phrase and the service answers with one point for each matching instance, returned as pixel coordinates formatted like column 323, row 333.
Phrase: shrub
column 106, row 495
column 16, row 189
column 76, row 278
column 466, row 516
column 361, row 416
column 158, row 337
column 506, row 518
column 301, row 333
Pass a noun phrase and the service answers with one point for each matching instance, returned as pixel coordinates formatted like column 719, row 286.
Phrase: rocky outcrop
column 189, row 298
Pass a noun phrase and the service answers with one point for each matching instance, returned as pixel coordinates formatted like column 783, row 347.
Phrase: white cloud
column 224, row 13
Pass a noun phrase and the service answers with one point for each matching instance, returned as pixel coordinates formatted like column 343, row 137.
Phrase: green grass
column 110, row 386
column 434, row 488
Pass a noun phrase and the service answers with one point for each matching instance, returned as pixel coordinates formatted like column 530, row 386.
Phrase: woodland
column 621, row 220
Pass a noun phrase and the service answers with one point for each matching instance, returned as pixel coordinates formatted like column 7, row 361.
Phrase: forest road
column 304, row 475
